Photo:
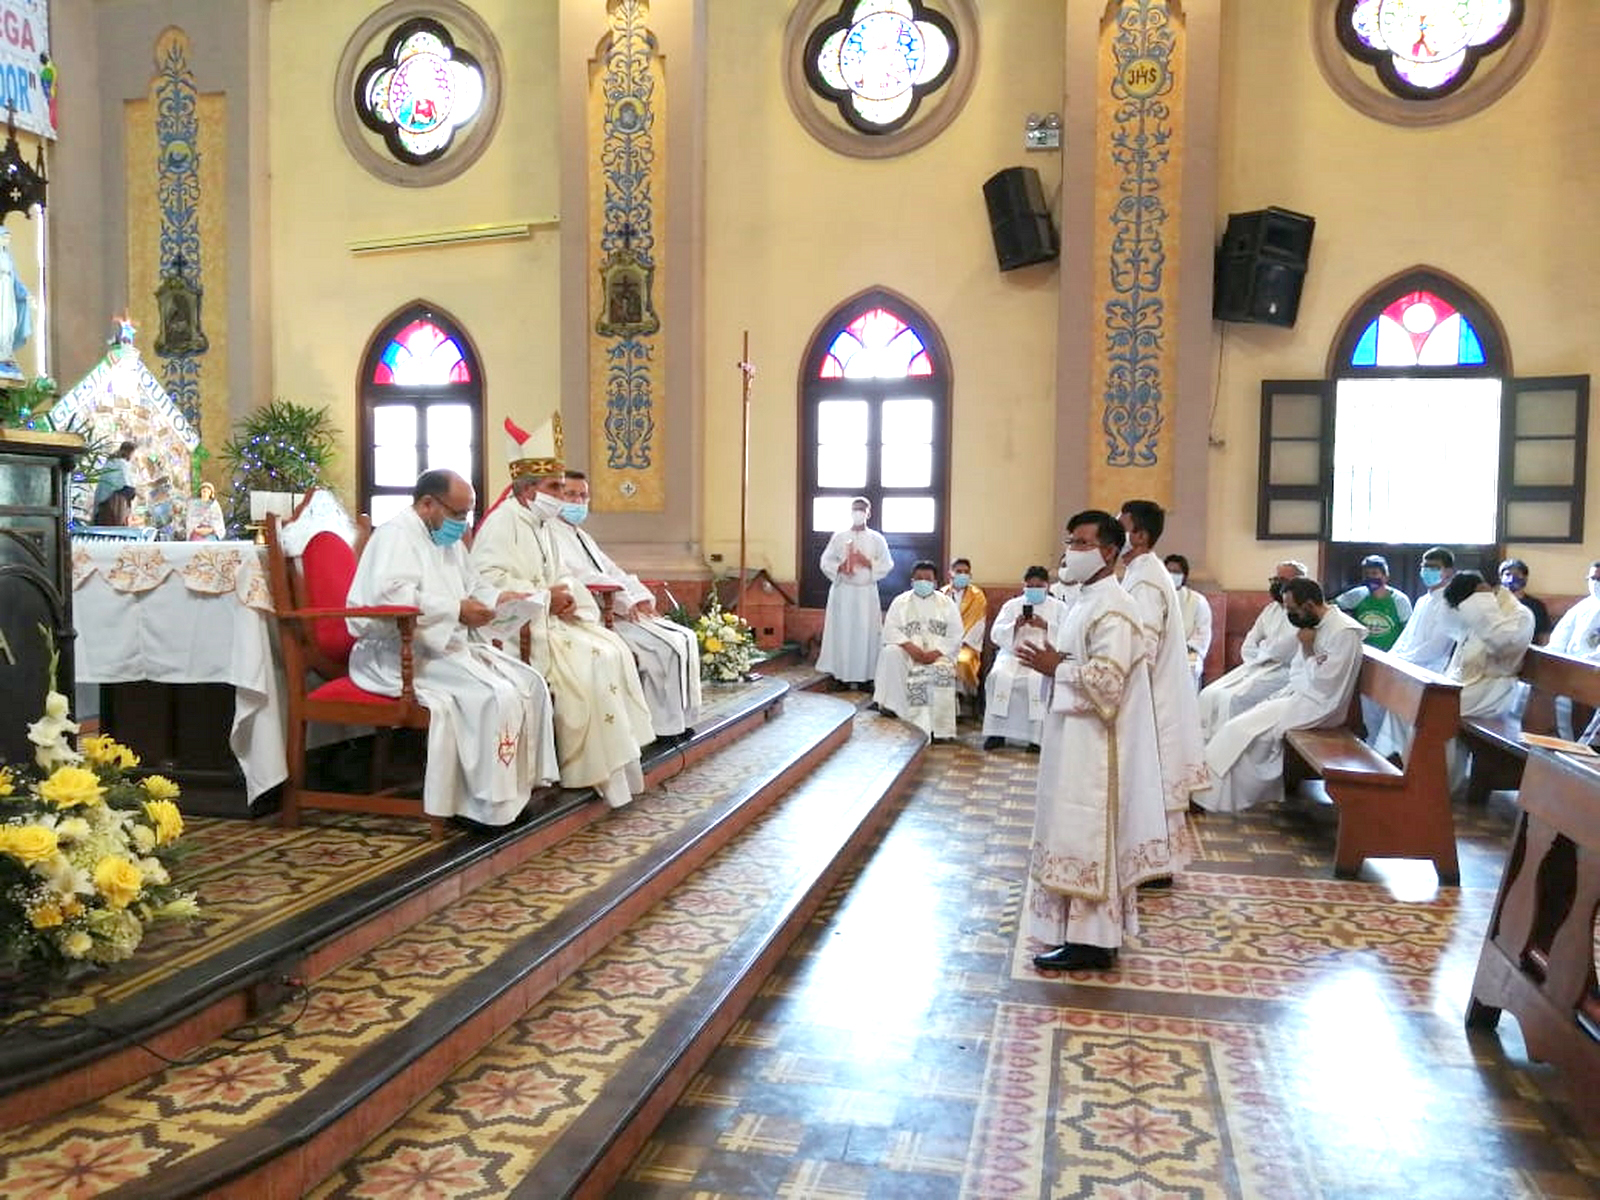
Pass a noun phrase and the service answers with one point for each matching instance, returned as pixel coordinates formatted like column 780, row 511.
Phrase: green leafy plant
column 283, row 447
column 28, row 406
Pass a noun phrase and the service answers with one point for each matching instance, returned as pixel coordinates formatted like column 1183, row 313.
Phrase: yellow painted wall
column 327, row 303
column 793, row 229
column 1500, row 201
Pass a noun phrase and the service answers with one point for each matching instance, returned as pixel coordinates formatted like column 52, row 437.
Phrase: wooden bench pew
column 1387, row 811
column 1498, row 753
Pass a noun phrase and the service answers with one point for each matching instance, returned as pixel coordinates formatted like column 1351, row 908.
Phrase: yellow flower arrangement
column 85, row 851
column 727, row 644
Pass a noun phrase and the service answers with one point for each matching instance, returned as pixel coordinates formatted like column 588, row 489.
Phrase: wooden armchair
column 309, row 593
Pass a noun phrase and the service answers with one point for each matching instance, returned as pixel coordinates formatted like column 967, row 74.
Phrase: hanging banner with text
column 27, row 73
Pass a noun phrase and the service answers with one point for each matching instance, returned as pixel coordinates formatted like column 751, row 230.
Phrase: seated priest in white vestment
column 1265, row 655
column 1166, row 656
column 852, row 628
column 601, row 719
column 1577, row 635
column 1245, row 756
column 1100, row 828
column 1196, row 612
column 916, row 678
column 1494, row 630
column 1427, row 641
column 668, row 654
column 1016, row 698
column 489, row 725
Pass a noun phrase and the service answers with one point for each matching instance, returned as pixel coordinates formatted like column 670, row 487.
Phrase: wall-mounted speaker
column 1019, row 219
column 1261, row 266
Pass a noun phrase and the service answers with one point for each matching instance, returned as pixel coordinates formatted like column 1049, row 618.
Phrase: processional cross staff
column 747, row 371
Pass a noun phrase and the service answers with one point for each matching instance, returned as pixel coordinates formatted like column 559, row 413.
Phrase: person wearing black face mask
column 1265, row 656
column 1245, row 756
column 1514, row 575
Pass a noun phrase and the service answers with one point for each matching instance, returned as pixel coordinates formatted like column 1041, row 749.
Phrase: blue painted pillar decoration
column 178, row 196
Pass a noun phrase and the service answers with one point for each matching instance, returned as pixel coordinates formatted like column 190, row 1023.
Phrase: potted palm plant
column 275, row 455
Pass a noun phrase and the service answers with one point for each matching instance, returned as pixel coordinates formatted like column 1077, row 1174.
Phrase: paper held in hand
column 510, row 617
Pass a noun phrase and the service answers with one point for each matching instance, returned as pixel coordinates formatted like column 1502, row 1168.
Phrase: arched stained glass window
column 876, row 345
column 876, row 59
column 421, row 408
column 1422, row 49
column 422, row 355
column 419, row 91
column 1419, row 329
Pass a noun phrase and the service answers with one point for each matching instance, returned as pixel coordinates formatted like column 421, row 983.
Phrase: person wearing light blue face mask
column 490, row 732
column 1427, row 640
column 916, row 678
column 974, row 606
column 1014, row 700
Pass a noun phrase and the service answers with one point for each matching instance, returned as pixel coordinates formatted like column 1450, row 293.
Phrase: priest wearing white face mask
column 1427, row 640
column 1196, row 612
column 1016, row 699
column 489, row 725
column 668, row 653
column 916, row 676
column 854, row 560
column 1101, row 826
column 1264, row 659
column 601, row 719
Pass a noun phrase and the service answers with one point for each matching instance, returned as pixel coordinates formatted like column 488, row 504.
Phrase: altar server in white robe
column 916, row 678
column 1427, row 641
column 601, row 719
column 1577, row 635
column 1100, row 828
column 490, row 737
column 1166, row 654
column 1245, row 757
column 1016, row 698
column 1195, row 610
column 852, row 629
column 668, row 654
column 1494, row 631
column 1264, row 659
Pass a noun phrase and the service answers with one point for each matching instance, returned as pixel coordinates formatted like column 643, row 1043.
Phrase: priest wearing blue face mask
column 1016, row 698
column 916, row 678
column 490, row 737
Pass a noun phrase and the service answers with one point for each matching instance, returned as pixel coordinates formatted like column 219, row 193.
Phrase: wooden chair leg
column 289, row 813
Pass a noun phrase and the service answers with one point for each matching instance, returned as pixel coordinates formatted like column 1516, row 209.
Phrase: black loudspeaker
column 1019, row 219
column 1261, row 266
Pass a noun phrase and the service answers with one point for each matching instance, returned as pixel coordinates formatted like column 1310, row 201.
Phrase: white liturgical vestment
column 853, row 626
column 1016, row 697
column 1263, row 669
column 922, row 693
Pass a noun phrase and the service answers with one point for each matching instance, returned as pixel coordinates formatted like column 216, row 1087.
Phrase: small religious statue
column 178, row 299
column 114, row 491
column 16, row 317
column 204, row 520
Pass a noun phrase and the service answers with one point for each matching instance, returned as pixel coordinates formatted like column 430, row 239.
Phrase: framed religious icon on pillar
column 178, row 301
column 628, row 310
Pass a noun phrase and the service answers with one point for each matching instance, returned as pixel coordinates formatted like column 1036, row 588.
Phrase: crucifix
column 747, row 371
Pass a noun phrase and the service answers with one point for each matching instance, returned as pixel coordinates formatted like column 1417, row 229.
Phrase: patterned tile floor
column 1273, row 1034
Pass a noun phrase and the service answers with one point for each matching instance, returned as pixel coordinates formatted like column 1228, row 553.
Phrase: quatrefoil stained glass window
column 1423, row 49
column 419, row 91
column 876, row 59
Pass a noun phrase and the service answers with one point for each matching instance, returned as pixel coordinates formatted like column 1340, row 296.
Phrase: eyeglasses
column 453, row 514
column 1082, row 544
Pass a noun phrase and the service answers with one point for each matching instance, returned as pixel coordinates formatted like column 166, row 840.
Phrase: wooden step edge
column 84, row 1069
column 306, row 1141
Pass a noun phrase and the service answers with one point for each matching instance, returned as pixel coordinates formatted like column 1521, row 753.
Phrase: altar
column 179, row 635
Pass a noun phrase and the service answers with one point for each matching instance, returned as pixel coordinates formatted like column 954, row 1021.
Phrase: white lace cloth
column 186, row 612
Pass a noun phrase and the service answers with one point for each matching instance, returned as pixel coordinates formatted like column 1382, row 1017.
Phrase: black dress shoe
column 1033, row 747
column 1076, row 956
column 1159, row 884
column 993, row 743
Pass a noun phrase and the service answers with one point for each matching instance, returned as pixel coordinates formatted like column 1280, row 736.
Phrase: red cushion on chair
column 342, row 691
column 329, row 564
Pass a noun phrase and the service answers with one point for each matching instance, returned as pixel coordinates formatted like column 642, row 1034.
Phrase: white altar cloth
column 186, row 612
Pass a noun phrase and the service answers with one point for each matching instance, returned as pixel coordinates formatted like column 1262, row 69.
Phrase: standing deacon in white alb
column 489, row 728
column 916, row 677
column 601, row 720
column 854, row 560
column 1101, row 828
column 668, row 653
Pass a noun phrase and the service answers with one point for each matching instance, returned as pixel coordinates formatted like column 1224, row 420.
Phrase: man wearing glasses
column 490, row 739
column 1101, row 825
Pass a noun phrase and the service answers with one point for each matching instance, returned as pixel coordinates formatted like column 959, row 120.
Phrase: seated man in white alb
column 668, row 653
column 1016, row 697
column 1195, row 610
column 1427, row 641
column 601, row 720
column 1495, row 630
column 1577, row 635
column 490, row 740
column 1245, row 756
column 1265, row 655
column 916, row 678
